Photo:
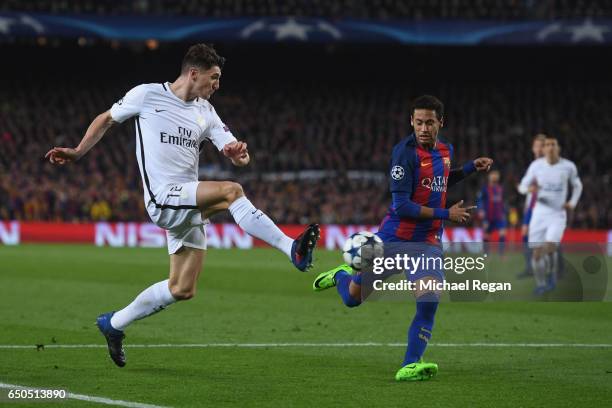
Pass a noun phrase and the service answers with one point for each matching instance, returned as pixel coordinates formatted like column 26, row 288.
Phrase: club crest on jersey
column 447, row 162
column 397, row 173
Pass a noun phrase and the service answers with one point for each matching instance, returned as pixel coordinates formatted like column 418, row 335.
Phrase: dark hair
column 428, row 102
column 201, row 56
column 548, row 137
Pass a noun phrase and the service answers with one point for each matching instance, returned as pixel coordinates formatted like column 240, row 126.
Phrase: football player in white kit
column 172, row 120
column 537, row 148
column 549, row 177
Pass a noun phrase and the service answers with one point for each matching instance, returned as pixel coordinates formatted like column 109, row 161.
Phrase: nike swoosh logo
column 160, row 110
column 425, row 164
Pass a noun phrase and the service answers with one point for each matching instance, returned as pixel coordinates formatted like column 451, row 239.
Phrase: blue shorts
column 431, row 262
column 496, row 225
column 527, row 216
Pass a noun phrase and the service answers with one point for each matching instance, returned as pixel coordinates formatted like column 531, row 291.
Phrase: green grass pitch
column 51, row 294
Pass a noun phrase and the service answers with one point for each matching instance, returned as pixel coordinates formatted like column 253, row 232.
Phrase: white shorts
column 177, row 212
column 546, row 227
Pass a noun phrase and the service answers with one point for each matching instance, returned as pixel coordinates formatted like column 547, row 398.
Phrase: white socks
column 540, row 269
column 153, row 299
column 259, row 225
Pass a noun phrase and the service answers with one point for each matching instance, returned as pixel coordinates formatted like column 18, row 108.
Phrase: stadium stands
column 379, row 9
column 293, row 127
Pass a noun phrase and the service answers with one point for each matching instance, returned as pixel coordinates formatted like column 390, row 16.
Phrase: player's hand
column 459, row 214
column 237, row 152
column 242, row 160
column 62, row 155
column 483, row 163
column 533, row 188
column 568, row 206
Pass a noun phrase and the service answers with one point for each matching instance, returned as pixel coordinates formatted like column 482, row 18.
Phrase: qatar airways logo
column 436, row 184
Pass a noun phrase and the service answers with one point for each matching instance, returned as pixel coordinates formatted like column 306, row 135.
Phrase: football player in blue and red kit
column 492, row 210
column 420, row 173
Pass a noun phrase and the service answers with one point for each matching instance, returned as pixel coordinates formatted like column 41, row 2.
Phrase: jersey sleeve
column 401, row 170
column 130, row 105
column 576, row 185
column 218, row 133
column 528, row 178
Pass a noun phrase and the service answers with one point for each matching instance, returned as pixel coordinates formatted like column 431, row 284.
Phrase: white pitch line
column 263, row 345
column 88, row 398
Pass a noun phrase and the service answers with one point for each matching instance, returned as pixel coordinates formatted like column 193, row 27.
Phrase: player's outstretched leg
column 346, row 281
column 419, row 333
column 303, row 247
column 214, row 196
column 326, row 280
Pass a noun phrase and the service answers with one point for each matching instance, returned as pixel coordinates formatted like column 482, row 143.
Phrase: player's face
column 538, row 148
column 551, row 149
column 426, row 126
column 494, row 177
column 206, row 82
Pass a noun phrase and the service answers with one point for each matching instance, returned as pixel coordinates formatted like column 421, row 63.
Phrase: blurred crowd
column 363, row 9
column 319, row 151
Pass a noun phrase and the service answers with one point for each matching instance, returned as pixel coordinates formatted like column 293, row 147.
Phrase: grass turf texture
column 53, row 294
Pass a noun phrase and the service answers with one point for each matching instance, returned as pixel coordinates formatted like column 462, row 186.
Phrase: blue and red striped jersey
column 491, row 201
column 423, row 174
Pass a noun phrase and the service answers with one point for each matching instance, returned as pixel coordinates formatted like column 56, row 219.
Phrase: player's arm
column 220, row 135
column 401, row 185
column 125, row 108
column 406, row 208
column 95, row 132
column 528, row 182
column 479, row 164
column 576, row 189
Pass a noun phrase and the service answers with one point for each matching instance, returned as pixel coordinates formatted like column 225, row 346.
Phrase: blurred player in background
column 549, row 177
column 492, row 211
column 420, row 172
column 537, row 148
column 173, row 120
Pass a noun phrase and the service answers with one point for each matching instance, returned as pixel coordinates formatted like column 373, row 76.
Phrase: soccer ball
column 361, row 248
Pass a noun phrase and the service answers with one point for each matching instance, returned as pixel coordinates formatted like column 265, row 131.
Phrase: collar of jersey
column 179, row 99
column 411, row 141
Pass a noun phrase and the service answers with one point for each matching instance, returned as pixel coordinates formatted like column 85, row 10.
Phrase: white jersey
column 169, row 133
column 552, row 181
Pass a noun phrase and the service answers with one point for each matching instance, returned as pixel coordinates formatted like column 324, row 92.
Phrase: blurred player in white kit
column 549, row 176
